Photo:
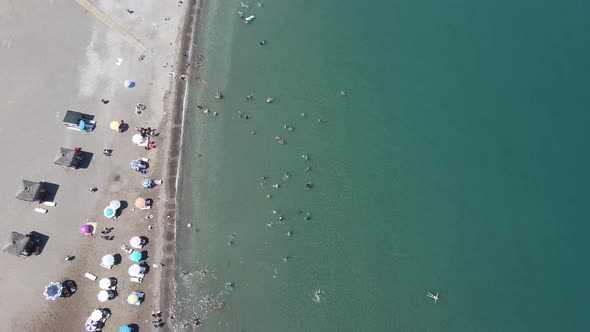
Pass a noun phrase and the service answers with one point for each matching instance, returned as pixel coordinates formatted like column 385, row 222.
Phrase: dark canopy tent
column 68, row 157
column 30, row 191
column 17, row 242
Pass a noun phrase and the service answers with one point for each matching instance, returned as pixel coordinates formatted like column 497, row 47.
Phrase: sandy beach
column 64, row 55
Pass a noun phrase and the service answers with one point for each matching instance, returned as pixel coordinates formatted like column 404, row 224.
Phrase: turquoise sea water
column 457, row 163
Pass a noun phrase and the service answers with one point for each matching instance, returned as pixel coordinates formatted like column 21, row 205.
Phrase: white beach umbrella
column 115, row 204
column 136, row 270
column 103, row 296
column 108, row 260
column 96, row 315
column 105, row 283
column 136, row 242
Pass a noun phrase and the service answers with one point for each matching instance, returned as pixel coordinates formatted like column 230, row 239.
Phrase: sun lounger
column 127, row 249
column 108, row 267
column 49, row 203
column 90, row 276
column 136, row 279
column 40, row 210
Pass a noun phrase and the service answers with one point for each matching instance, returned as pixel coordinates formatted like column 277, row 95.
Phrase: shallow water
column 455, row 164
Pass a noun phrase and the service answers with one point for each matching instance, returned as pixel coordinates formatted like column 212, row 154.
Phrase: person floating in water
column 432, row 296
column 304, row 156
column 263, row 42
column 308, row 185
column 343, row 93
column 218, row 95
column 269, row 99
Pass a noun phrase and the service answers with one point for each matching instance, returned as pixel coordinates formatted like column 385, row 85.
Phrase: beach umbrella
column 105, row 283
column 114, row 125
column 128, row 83
column 114, row 204
column 125, row 328
column 136, row 242
column 96, row 315
column 136, row 270
column 138, row 139
column 108, row 260
column 135, row 298
column 91, row 325
column 109, row 212
column 136, row 164
column 85, row 229
column 147, row 183
column 53, row 290
column 103, row 296
column 140, row 203
column 135, row 256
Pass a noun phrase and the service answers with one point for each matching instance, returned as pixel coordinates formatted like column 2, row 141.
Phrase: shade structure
column 136, row 270
column 85, row 229
column 115, row 204
column 135, row 256
column 108, row 260
column 103, row 296
column 17, row 244
column 114, row 125
column 147, row 183
column 53, row 290
column 136, row 242
column 128, row 83
column 125, row 328
column 30, row 191
column 68, row 157
column 135, row 298
column 140, row 203
column 105, row 283
column 109, row 212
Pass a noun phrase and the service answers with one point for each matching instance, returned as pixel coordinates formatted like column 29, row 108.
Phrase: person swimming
column 263, row 42
column 308, row 186
column 276, row 186
column 269, row 99
column 281, row 142
column 304, row 156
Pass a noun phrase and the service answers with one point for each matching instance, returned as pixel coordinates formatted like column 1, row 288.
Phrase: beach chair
column 126, row 249
column 136, row 279
column 108, row 267
column 52, row 204
column 40, row 210
column 90, row 276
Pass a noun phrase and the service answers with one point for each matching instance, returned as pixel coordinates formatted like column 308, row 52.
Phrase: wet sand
column 57, row 56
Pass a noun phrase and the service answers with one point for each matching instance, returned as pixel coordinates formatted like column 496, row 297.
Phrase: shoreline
column 173, row 161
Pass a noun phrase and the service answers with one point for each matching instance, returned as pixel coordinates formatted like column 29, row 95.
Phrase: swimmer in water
column 276, row 186
column 304, row 156
column 281, row 142
column 268, row 196
column 289, row 233
column 286, row 175
column 322, row 120
column 281, row 217
column 278, row 138
column 302, row 115
column 343, row 93
column 308, row 186
column 308, row 216
column 317, row 295
column 253, row 132
column 308, row 168
column 269, row 100
column 286, row 259
column 263, row 42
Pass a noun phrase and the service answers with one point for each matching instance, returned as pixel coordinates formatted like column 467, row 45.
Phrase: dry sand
column 54, row 56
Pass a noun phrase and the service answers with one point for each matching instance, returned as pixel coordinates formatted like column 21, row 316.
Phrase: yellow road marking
column 111, row 24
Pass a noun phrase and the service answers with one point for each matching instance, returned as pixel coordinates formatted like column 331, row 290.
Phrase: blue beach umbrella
column 147, row 183
column 129, row 83
column 125, row 328
column 109, row 212
column 53, row 290
column 135, row 256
